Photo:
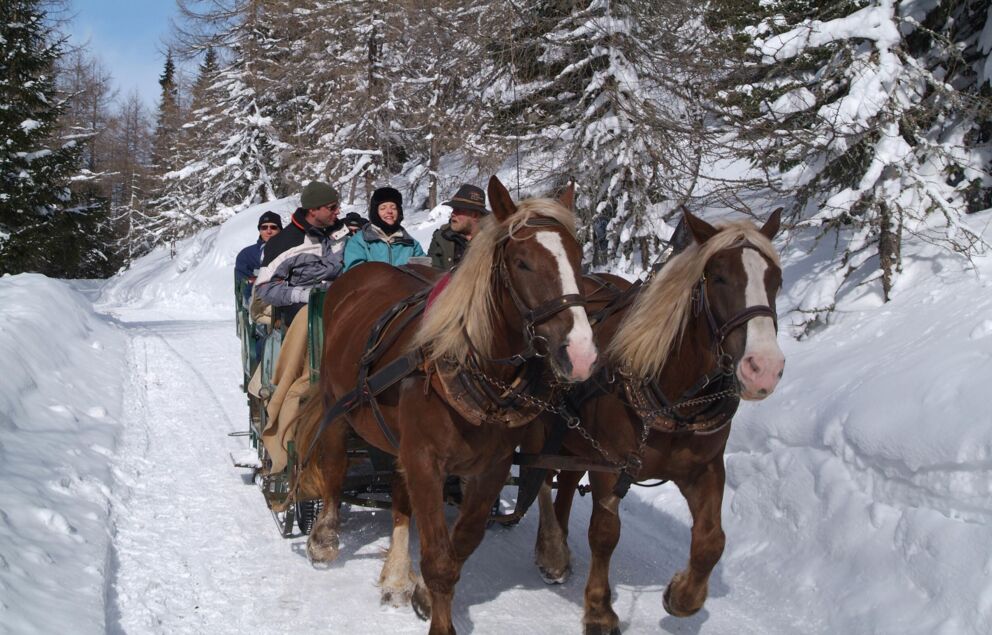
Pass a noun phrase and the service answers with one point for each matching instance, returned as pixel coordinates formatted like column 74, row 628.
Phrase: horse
column 703, row 329
column 507, row 328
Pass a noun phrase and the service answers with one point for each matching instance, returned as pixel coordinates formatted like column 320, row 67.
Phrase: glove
column 299, row 295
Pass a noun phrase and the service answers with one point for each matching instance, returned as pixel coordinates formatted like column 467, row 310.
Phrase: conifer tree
column 169, row 119
column 584, row 94
column 874, row 115
column 37, row 219
column 240, row 164
column 443, row 73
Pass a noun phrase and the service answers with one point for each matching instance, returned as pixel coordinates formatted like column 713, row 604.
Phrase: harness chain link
column 571, row 421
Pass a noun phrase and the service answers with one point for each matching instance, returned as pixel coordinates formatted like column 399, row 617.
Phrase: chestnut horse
column 699, row 336
column 511, row 314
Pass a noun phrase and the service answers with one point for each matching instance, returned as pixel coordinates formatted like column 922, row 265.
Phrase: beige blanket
column 291, row 379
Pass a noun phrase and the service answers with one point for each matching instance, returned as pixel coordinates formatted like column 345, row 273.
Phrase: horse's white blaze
column 763, row 361
column 580, row 346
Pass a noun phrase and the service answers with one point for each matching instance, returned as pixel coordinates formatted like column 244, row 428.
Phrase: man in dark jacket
column 449, row 243
column 307, row 254
column 249, row 259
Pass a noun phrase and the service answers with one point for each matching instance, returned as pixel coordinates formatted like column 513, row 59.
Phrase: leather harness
column 400, row 315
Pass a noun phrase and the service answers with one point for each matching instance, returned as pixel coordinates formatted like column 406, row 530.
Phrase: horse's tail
column 308, row 420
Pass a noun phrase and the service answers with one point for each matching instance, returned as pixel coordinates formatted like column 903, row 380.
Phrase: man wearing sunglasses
column 307, row 254
column 249, row 259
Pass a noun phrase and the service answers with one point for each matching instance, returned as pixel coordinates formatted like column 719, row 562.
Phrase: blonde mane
column 657, row 320
column 467, row 305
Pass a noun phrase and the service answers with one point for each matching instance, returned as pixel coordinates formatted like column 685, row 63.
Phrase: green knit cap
column 317, row 194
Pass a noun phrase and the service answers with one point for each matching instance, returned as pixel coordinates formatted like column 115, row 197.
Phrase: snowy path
column 196, row 551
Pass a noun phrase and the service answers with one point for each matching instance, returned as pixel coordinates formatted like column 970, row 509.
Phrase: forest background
column 869, row 121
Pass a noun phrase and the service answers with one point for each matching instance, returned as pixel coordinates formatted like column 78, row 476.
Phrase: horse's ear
column 503, row 206
column 567, row 197
column 701, row 230
column 681, row 238
column 771, row 226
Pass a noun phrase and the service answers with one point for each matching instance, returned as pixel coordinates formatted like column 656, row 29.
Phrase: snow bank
column 60, row 400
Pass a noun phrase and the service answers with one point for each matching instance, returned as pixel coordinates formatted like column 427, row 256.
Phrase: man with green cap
column 448, row 245
column 307, row 254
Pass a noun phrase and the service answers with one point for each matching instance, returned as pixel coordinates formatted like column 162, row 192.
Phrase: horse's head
column 540, row 266
column 737, row 294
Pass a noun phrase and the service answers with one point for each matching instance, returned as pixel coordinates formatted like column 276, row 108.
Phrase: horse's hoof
column 396, row 597
column 600, row 629
column 555, row 577
column 666, row 601
column 421, row 602
column 322, row 547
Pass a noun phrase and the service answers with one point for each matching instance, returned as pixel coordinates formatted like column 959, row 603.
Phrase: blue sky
column 127, row 36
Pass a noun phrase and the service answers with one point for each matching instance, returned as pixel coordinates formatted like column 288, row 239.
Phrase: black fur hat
column 385, row 195
column 354, row 219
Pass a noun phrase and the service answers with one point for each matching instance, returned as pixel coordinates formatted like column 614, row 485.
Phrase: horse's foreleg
column 687, row 591
column 568, row 483
column 425, row 481
column 475, row 509
column 398, row 582
column 599, row 617
column 551, row 552
column 331, row 459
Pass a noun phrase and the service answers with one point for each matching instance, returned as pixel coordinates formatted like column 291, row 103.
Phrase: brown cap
column 469, row 197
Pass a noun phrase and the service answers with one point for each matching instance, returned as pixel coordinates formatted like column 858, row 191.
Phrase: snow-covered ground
column 858, row 495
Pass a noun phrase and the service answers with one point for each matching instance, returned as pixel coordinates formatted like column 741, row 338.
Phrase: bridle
column 701, row 304
column 536, row 345
column 719, row 405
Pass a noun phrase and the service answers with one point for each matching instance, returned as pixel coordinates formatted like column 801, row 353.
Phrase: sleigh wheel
column 306, row 514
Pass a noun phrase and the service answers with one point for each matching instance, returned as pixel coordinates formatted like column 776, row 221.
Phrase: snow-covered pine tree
column 169, row 119
column 362, row 144
column 584, row 96
column 40, row 230
column 186, row 187
column 130, row 161
column 874, row 114
column 164, row 216
column 444, row 70
column 302, row 88
column 239, row 166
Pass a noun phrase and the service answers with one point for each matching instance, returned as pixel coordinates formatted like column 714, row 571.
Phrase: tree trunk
column 888, row 249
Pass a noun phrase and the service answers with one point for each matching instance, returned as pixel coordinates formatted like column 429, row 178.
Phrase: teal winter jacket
column 370, row 244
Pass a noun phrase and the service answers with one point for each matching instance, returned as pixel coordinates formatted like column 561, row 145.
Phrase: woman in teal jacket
column 383, row 239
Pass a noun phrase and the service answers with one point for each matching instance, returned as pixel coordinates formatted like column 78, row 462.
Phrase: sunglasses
column 269, row 227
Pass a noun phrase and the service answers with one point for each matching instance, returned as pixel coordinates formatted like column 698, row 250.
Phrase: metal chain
column 571, row 421
column 717, row 396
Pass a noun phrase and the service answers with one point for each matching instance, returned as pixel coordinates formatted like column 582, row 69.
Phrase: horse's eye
column 718, row 279
column 522, row 265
